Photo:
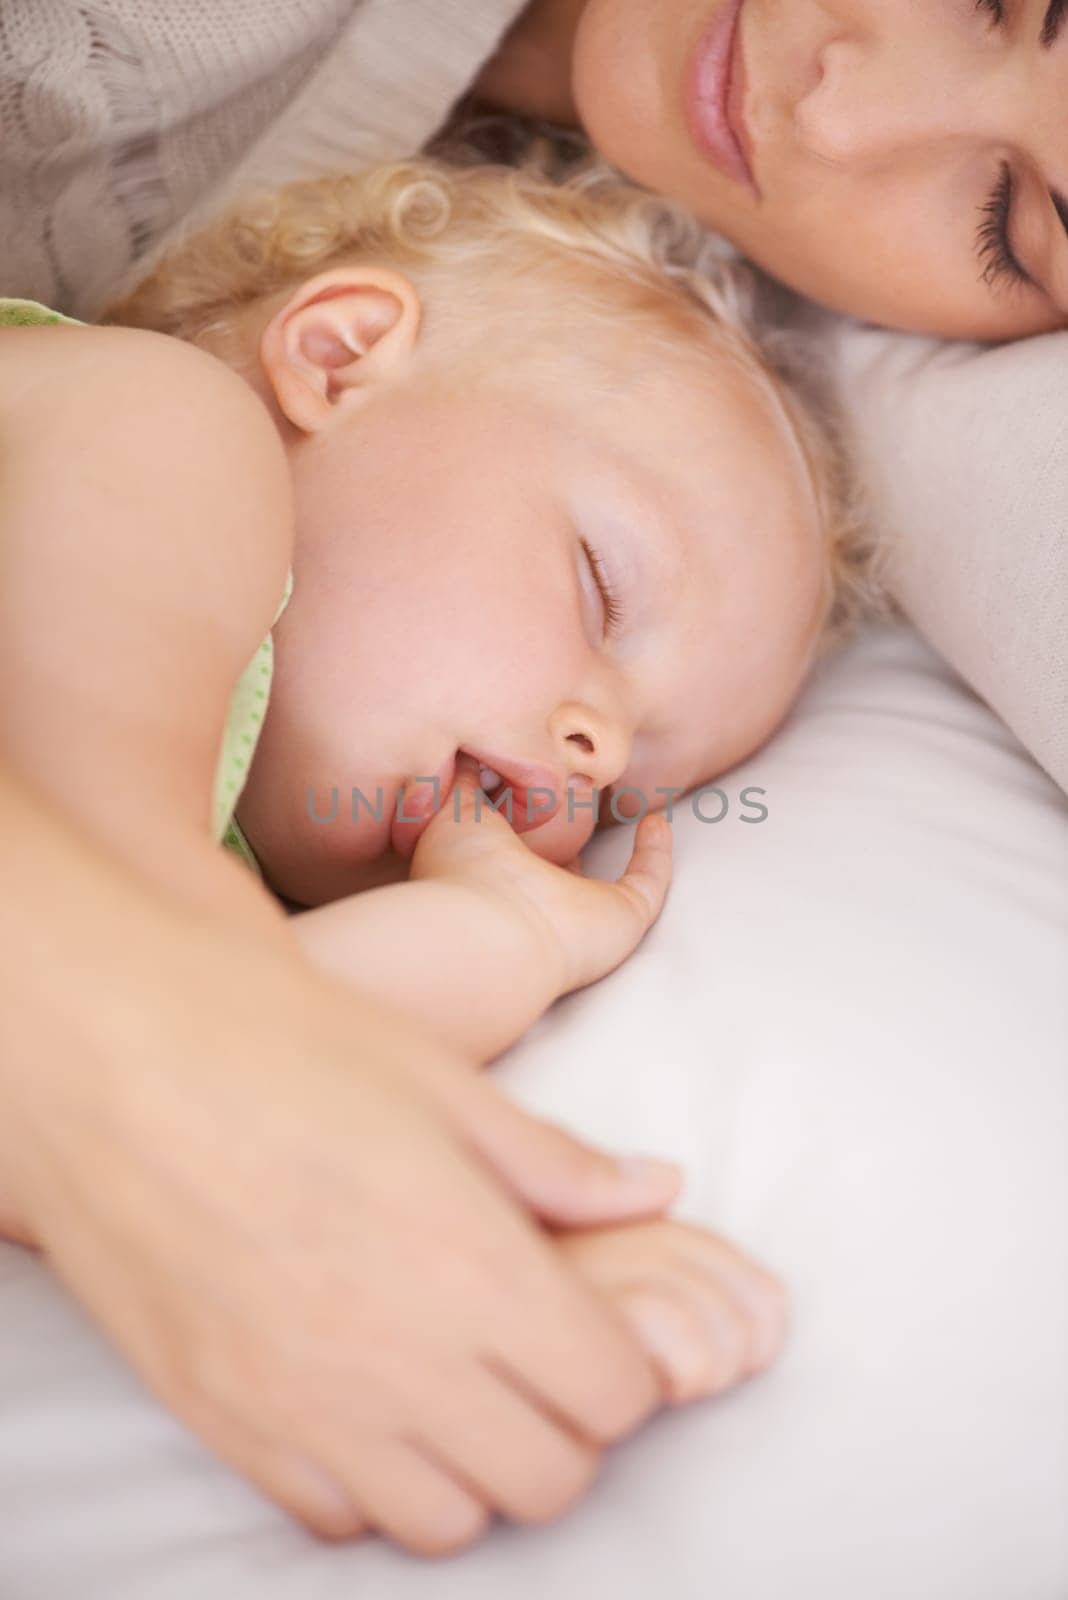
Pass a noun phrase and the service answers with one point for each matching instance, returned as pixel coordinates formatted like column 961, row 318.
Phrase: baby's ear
column 336, row 337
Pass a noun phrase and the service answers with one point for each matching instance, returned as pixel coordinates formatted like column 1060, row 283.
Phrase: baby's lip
column 536, row 792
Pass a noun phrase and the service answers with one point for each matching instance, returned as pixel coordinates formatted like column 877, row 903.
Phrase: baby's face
column 580, row 583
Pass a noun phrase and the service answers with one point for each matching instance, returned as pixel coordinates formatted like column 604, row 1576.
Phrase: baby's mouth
column 489, row 781
column 526, row 793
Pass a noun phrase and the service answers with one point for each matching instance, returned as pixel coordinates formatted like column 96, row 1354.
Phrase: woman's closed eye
column 997, row 255
column 993, row 242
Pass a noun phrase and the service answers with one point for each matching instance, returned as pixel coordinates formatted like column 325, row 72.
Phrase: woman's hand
column 301, row 1220
column 583, row 926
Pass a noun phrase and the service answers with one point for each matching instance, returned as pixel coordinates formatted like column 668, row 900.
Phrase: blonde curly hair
column 624, row 262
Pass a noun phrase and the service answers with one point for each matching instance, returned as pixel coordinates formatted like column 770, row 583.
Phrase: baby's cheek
column 561, row 838
column 622, row 803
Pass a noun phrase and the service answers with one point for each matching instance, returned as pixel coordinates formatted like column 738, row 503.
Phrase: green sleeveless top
column 248, row 703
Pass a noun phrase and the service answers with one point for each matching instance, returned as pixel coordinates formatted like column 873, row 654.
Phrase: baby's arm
column 486, row 935
column 454, row 958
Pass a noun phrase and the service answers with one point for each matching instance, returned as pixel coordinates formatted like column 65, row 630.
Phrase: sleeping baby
column 529, row 532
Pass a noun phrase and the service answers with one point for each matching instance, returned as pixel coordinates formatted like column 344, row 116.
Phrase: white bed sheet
column 851, row 1024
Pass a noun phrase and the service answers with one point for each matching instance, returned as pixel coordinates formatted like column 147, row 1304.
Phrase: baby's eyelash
column 997, row 7
column 992, row 242
column 613, row 610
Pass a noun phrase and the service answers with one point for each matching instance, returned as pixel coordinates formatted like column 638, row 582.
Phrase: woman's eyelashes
column 610, row 602
column 992, row 241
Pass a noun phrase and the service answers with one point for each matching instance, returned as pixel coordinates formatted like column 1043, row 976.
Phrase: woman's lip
column 715, row 97
column 535, row 790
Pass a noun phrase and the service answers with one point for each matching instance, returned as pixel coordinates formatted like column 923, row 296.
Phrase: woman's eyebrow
column 1056, row 13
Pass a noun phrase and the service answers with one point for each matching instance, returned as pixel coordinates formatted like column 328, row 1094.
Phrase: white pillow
column 964, row 449
column 851, row 1025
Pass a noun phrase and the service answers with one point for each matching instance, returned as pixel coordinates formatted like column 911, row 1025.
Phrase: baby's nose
column 590, row 744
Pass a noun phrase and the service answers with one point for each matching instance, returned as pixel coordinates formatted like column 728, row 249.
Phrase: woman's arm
column 285, row 1205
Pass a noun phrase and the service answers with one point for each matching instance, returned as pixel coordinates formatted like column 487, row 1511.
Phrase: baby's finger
column 692, row 1333
column 461, row 807
column 756, row 1291
column 465, row 785
column 617, row 916
column 648, row 871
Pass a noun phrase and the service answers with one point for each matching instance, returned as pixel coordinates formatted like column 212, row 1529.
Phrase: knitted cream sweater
column 122, row 119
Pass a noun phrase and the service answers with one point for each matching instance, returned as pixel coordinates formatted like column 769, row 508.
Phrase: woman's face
column 907, row 159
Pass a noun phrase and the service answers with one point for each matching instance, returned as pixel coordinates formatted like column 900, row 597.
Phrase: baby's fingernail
column 673, row 1343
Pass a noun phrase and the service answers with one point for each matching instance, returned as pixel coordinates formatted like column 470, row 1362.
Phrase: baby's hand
column 705, row 1314
column 586, row 926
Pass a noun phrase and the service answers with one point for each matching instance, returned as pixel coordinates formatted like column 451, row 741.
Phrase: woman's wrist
column 85, row 945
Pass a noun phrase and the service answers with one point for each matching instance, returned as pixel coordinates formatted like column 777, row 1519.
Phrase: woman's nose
column 590, row 743
column 889, row 90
